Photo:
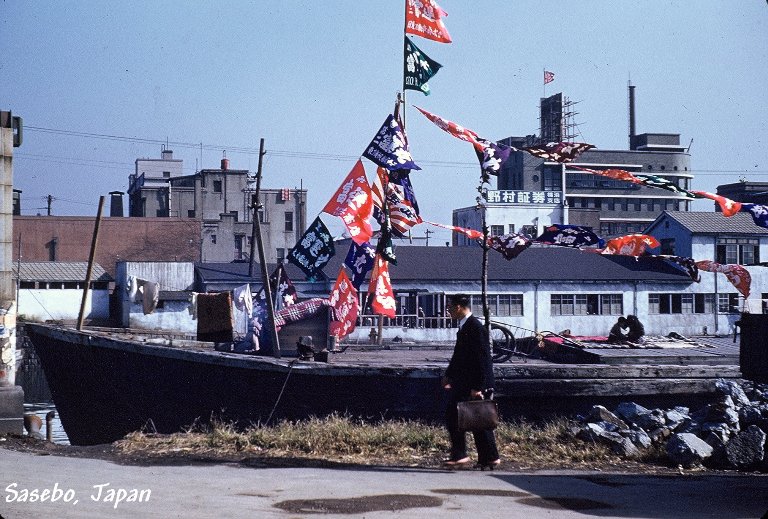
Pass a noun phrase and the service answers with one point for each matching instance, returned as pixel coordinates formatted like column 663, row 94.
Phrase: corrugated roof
column 229, row 272
column 534, row 264
column 59, row 271
column 715, row 223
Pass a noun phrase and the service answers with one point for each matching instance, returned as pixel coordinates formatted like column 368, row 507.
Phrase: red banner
column 345, row 305
column 727, row 206
column 454, row 129
column 424, row 18
column 383, row 302
column 736, row 274
column 353, row 204
column 630, row 245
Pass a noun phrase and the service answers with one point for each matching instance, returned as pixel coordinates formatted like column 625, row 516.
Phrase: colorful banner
column 509, row 245
column 759, row 213
column 353, row 204
column 492, row 157
column 424, row 18
column 469, row 233
column 389, row 148
column 402, row 215
column 360, row 261
column 736, row 274
column 569, row 236
column 313, row 250
column 383, row 300
column 630, row 245
column 418, row 68
column 559, row 151
column 343, row 300
column 454, row 129
column 727, row 206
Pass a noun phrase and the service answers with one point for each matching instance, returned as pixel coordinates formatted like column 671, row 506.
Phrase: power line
column 255, row 151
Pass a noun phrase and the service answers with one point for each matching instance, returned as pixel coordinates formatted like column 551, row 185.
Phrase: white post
column 11, row 396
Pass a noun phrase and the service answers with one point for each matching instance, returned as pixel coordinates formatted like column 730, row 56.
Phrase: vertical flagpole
column 544, row 79
column 405, row 27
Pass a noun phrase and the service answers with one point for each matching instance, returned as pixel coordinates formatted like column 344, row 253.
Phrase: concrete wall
column 43, row 304
column 172, row 277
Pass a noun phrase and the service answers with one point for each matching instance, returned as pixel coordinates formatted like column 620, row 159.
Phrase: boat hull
column 105, row 388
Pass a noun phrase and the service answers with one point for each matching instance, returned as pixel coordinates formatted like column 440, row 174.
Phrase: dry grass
column 342, row 439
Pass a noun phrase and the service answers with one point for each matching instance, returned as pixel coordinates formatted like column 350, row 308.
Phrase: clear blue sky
column 317, row 79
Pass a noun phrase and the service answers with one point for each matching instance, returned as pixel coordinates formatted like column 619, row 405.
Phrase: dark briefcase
column 478, row 415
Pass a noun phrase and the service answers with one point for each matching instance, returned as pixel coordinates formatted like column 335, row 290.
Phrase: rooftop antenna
column 688, row 149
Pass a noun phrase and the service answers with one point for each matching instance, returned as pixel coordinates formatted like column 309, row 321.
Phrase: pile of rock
column 729, row 432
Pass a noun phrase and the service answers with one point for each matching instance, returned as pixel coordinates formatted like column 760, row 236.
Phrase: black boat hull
column 105, row 388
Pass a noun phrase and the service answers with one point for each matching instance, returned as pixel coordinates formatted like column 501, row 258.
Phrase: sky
column 100, row 84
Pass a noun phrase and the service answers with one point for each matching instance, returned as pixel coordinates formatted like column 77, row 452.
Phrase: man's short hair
column 459, row 300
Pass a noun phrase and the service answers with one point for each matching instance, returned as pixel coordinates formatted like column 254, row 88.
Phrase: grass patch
column 394, row 442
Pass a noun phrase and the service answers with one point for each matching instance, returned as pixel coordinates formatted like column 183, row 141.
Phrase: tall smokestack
column 631, row 116
column 115, row 203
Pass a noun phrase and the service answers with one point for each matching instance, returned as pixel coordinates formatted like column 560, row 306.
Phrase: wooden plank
column 629, row 388
column 609, row 371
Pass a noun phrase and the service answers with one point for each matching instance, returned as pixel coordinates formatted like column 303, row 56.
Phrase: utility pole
column 427, row 233
column 49, row 198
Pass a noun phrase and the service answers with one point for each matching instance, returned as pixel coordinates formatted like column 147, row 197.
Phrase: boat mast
column 89, row 272
column 483, row 205
column 256, row 237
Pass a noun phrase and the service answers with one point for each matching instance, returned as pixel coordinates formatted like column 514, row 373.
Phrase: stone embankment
column 727, row 433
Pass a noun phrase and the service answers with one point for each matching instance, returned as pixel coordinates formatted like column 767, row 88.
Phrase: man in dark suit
column 469, row 376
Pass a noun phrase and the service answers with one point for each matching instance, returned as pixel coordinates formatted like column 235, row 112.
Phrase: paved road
column 234, row 491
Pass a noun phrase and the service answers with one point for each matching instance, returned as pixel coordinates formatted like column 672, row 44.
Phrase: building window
column 499, row 305
column 681, row 303
column 289, row 220
column 763, row 298
column 668, row 246
column 728, row 303
column 553, row 179
column 166, row 174
column 587, row 304
column 217, row 186
column 190, row 213
column 742, row 251
column 497, row 230
column 213, row 239
column 280, row 254
column 511, row 228
column 239, row 239
column 262, row 216
column 32, row 284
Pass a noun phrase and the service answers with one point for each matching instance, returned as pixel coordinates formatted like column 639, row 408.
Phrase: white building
column 53, row 291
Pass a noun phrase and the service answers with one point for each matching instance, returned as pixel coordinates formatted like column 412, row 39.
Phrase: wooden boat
column 106, row 384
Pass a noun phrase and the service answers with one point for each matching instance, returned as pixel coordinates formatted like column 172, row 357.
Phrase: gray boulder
column 660, row 435
column 722, row 411
column 732, row 389
column 629, row 411
column 750, row 415
column 638, row 437
column 746, row 449
column 599, row 413
column 651, row 420
column 615, row 441
column 688, row 449
column 675, row 417
column 718, row 429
